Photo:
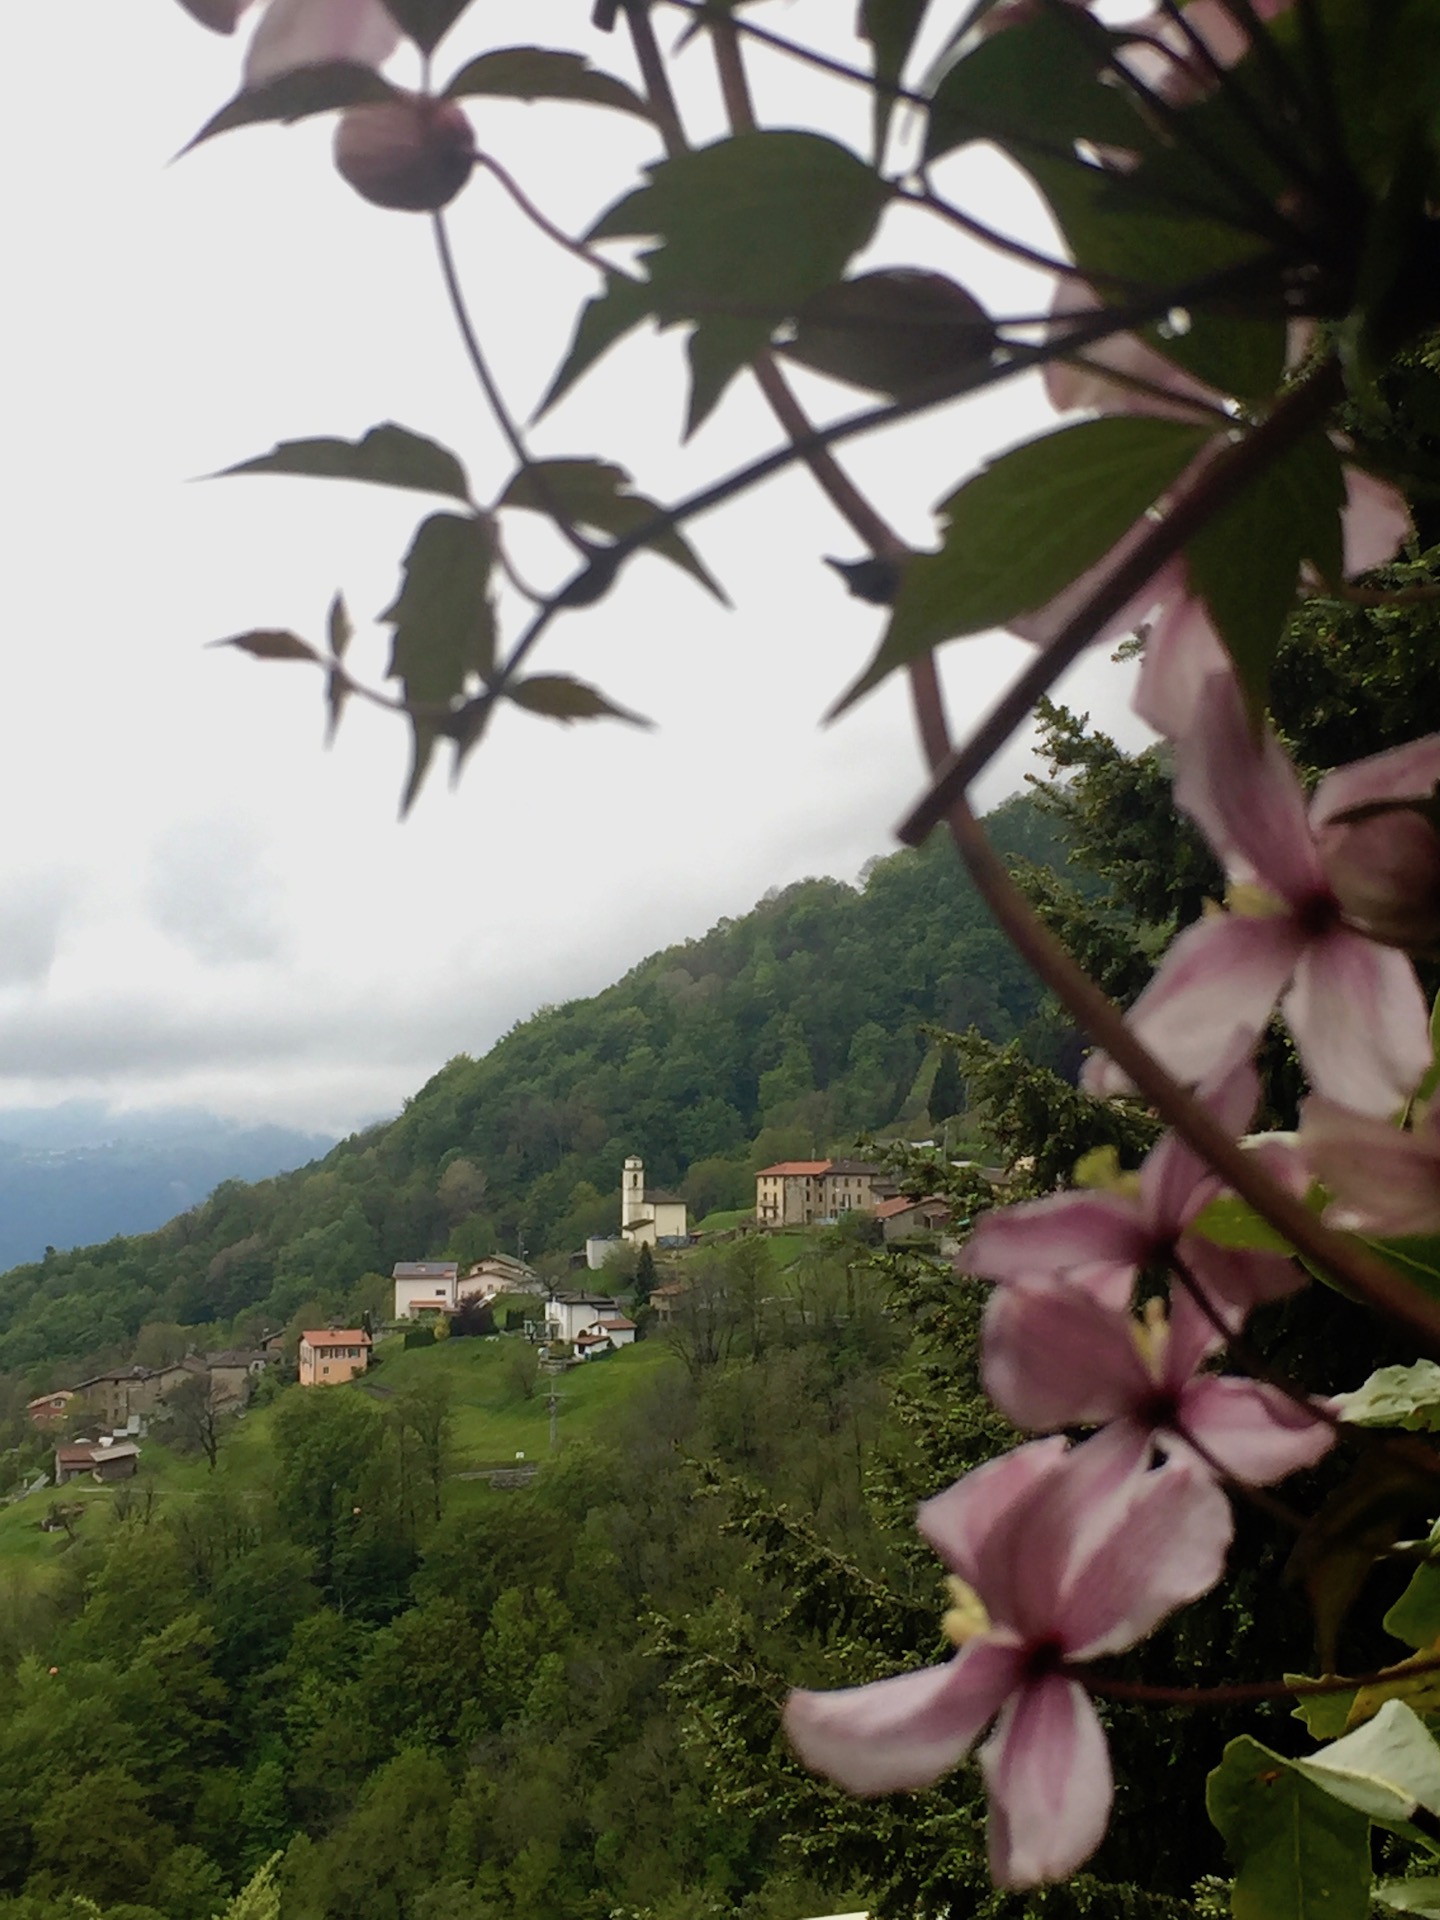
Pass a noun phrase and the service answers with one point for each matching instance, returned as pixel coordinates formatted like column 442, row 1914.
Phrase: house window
column 324, row 1369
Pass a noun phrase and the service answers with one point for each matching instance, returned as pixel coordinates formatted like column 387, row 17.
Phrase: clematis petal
column 904, row 1732
column 1192, row 1338
column 958, row 1522
column 1253, row 1431
column 1098, row 1236
column 1055, row 1357
column 1172, row 393
column 1376, row 521
column 1235, row 1281
column 1244, row 795
column 1214, row 990
column 1359, row 1022
column 303, row 33
column 1182, row 650
column 1047, row 1772
column 1175, row 1183
column 1383, row 1181
column 1411, row 772
column 1156, row 1544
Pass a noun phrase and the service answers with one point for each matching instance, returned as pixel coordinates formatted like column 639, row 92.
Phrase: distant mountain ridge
column 79, row 1173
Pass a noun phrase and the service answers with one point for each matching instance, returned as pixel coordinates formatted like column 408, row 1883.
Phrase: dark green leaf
column 1033, row 87
column 890, row 26
column 297, row 95
column 559, row 697
column 1323, row 1714
column 388, row 456
column 1298, row 1854
column 1415, row 1616
column 538, row 73
column 1384, row 1499
column 1028, row 525
column 621, row 306
column 748, row 229
column 270, row 644
column 444, row 623
column 426, row 21
column 891, row 331
column 1416, row 1256
column 597, row 495
column 1247, row 561
column 339, row 627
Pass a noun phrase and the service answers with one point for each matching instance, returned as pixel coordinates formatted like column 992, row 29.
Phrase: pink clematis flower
column 1354, row 1007
column 1054, row 1562
column 1100, row 1241
column 1383, row 1181
column 305, row 33
column 1057, row 1357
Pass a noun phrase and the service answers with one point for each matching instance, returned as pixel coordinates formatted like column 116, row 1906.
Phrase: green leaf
column 1232, row 1222
column 1325, row 1715
column 426, row 22
column 597, row 494
column 538, row 73
column 1298, row 1853
column 295, row 96
column 559, row 697
column 891, row 331
column 1415, row 1256
column 339, row 628
column 388, row 456
column 748, row 229
column 890, row 26
column 615, row 311
column 1415, row 1616
column 1033, row 87
column 1406, row 1397
column 444, row 622
column 1420, row 1690
column 1246, row 562
column 1382, row 1500
column 1026, row 526
column 1387, row 1770
column 1410, row 1896
column 270, row 644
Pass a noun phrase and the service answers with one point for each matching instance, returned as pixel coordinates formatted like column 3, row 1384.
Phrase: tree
column 194, row 1417
column 947, row 1089
column 643, row 1284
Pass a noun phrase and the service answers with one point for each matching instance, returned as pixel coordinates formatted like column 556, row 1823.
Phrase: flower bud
column 1384, row 868
column 413, row 152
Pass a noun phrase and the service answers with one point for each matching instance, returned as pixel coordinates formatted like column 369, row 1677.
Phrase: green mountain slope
column 786, row 1031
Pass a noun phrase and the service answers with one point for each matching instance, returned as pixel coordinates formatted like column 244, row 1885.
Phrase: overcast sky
column 199, row 904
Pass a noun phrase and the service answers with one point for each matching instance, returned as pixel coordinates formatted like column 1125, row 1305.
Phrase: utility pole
column 552, row 1406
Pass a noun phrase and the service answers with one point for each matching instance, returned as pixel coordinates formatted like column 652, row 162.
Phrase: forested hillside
column 786, row 1031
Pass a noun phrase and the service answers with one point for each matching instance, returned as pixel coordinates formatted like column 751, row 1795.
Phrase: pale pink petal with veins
column 304, row 33
column 1360, row 1022
column 1383, row 1181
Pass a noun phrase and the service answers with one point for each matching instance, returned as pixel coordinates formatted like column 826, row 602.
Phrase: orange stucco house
column 333, row 1354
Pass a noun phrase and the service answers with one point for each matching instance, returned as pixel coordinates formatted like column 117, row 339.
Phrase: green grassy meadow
column 491, row 1424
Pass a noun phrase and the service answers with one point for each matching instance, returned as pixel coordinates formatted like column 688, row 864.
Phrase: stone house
column 804, row 1193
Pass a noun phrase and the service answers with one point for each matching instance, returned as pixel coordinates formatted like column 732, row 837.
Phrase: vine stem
column 1243, row 1692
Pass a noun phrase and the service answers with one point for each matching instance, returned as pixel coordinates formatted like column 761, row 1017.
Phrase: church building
column 649, row 1217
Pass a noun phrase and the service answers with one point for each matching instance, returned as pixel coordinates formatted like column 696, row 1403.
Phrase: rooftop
column 424, row 1269
column 337, row 1337
column 794, row 1167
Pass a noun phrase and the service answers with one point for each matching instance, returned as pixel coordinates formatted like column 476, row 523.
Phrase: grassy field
column 492, row 1423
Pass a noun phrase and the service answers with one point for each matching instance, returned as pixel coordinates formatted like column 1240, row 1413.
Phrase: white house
column 424, row 1286
column 649, row 1217
column 568, row 1315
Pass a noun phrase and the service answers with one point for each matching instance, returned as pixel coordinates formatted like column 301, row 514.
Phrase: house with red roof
column 329, row 1355
column 804, row 1193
